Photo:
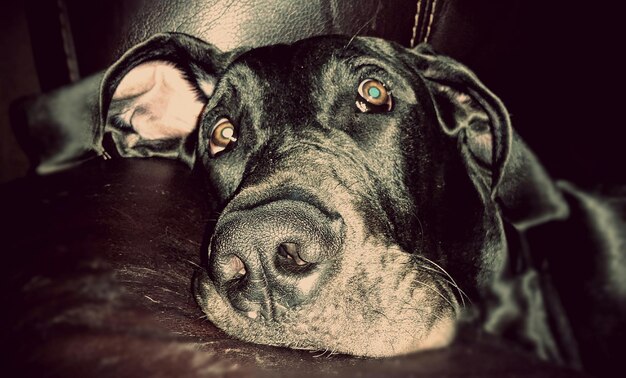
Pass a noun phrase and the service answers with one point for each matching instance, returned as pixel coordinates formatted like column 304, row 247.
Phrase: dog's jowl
column 367, row 192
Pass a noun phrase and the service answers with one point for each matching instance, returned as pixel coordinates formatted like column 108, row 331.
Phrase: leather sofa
column 99, row 256
column 541, row 60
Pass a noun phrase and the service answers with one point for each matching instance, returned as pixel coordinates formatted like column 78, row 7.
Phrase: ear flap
column 497, row 158
column 151, row 99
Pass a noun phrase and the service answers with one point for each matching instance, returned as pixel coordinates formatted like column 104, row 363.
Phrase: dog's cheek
column 225, row 174
column 378, row 305
column 385, row 156
column 386, row 306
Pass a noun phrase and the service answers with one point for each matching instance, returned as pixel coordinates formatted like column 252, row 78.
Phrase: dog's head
column 362, row 184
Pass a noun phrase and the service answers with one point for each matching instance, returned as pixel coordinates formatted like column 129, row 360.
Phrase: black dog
column 369, row 194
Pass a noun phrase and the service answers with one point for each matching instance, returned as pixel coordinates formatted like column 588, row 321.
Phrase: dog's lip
column 438, row 334
column 202, row 282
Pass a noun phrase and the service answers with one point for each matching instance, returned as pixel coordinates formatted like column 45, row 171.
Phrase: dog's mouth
column 289, row 273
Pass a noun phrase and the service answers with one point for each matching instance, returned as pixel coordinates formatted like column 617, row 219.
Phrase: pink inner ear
column 162, row 104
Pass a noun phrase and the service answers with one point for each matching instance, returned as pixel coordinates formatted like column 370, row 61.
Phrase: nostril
column 270, row 258
column 289, row 255
column 234, row 268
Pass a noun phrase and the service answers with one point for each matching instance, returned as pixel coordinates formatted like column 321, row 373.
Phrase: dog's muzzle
column 272, row 257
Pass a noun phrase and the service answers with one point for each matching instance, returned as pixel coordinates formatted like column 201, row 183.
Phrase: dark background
column 17, row 78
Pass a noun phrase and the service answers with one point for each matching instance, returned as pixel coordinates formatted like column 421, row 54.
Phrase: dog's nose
column 275, row 256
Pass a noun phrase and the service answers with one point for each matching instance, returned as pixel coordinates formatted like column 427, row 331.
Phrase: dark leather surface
column 103, row 30
column 96, row 279
column 57, row 129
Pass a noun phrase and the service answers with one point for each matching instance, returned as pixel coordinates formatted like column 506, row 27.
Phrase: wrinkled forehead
column 313, row 56
column 299, row 79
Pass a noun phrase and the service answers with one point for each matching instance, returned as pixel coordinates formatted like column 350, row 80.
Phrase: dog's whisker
column 320, row 354
column 460, row 292
column 437, row 292
column 419, row 222
column 193, row 264
column 453, row 284
column 361, row 29
column 412, row 307
column 448, row 278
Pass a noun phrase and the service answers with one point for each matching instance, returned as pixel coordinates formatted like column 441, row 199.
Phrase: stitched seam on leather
column 417, row 21
column 430, row 20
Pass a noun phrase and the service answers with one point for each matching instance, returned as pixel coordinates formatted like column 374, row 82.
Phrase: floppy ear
column 498, row 161
column 151, row 99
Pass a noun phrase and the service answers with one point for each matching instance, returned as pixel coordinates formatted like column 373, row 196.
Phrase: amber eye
column 376, row 96
column 223, row 136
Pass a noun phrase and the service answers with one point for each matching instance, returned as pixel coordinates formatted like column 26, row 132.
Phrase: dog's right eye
column 373, row 97
column 223, row 137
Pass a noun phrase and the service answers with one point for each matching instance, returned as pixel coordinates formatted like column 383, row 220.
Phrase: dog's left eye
column 223, row 136
column 373, row 97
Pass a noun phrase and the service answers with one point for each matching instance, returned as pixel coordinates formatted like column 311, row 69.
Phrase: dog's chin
column 381, row 303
